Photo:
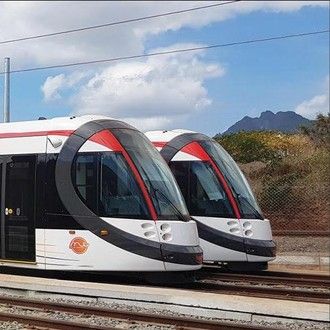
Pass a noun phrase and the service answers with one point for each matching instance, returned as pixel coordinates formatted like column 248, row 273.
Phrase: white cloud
column 54, row 85
column 51, row 86
column 149, row 94
column 319, row 104
column 24, row 18
column 201, row 18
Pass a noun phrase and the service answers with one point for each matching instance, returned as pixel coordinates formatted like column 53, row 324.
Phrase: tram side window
column 86, row 179
column 53, row 202
column 181, row 174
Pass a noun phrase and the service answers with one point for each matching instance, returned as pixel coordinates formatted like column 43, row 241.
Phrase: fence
column 296, row 209
column 294, row 206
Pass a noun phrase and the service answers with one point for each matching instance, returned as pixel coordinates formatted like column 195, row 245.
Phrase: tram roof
column 59, row 123
column 165, row 136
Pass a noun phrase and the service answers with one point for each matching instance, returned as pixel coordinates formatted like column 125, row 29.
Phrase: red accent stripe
column 159, row 144
column 137, row 175
column 100, row 138
column 227, row 189
column 60, row 132
column 34, row 134
column 106, row 139
column 196, row 150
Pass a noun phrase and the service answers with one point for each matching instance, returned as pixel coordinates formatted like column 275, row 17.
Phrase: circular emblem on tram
column 79, row 245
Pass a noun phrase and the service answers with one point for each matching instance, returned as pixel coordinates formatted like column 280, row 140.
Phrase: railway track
column 292, row 275
column 298, row 279
column 274, row 285
column 129, row 318
column 265, row 273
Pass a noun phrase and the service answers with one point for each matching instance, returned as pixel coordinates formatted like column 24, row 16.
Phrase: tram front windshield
column 247, row 203
column 201, row 189
column 163, row 189
column 105, row 182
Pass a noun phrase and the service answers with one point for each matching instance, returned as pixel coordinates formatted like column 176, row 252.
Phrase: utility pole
column 6, row 94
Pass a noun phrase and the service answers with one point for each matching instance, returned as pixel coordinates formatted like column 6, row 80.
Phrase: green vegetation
column 288, row 172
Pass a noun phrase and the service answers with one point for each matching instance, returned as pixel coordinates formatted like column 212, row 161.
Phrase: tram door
column 17, row 195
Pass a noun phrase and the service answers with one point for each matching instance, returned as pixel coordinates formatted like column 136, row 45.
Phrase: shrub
column 289, row 174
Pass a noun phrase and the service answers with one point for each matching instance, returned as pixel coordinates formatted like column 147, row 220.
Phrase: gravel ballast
column 159, row 310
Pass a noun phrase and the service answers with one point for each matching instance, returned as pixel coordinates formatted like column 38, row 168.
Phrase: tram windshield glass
column 105, row 182
column 201, row 189
column 247, row 203
column 160, row 182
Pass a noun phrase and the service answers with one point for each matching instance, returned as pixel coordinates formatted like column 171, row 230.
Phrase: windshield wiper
column 155, row 190
column 178, row 212
column 247, row 202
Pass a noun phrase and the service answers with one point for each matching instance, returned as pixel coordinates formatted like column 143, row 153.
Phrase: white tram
column 231, row 226
column 90, row 194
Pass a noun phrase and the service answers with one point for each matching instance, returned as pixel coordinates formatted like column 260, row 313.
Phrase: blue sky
column 278, row 76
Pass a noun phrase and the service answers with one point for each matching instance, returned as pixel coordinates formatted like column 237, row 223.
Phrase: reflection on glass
column 200, row 186
column 155, row 173
column 106, row 184
column 240, row 187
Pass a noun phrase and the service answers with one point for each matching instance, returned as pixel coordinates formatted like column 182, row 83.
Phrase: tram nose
column 180, row 242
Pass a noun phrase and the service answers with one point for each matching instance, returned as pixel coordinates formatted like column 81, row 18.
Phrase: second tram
column 231, row 226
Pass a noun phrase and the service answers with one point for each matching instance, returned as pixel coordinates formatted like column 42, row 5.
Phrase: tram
column 90, row 193
column 232, row 228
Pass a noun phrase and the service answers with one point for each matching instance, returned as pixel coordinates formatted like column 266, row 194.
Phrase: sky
column 205, row 91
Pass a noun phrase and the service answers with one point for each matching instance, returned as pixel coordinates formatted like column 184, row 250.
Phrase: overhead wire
column 175, row 51
column 138, row 19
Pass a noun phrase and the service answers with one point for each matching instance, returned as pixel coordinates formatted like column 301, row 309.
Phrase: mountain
column 283, row 121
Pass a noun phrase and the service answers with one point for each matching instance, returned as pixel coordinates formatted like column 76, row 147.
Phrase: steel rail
column 128, row 316
column 49, row 323
column 294, row 275
column 319, row 282
column 266, row 273
column 214, row 286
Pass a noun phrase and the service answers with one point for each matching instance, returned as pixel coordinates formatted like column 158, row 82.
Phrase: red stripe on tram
column 35, row 134
column 159, row 144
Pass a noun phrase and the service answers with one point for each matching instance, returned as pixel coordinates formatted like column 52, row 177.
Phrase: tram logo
column 79, row 245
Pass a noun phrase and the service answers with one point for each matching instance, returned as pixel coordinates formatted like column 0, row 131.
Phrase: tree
column 319, row 132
